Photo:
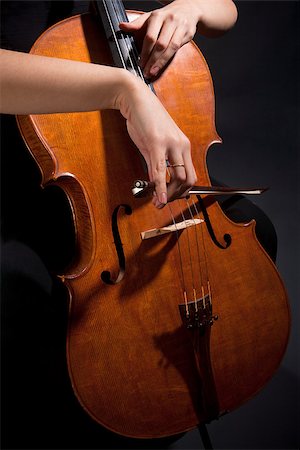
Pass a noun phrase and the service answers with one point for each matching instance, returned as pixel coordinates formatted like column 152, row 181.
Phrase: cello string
column 190, row 257
column 132, row 54
column 128, row 63
column 119, row 15
column 198, row 250
column 132, row 48
column 178, row 244
column 178, row 202
column 205, row 259
column 113, row 33
column 180, row 260
column 189, row 249
column 179, row 250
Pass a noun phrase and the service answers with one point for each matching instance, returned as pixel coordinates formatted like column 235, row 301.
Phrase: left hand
column 164, row 31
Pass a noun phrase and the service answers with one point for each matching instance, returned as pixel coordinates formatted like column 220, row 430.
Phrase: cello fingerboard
column 123, row 49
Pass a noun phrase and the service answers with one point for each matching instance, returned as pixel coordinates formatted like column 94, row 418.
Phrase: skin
column 32, row 84
column 165, row 30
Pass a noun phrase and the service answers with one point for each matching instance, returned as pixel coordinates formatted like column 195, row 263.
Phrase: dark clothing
column 39, row 407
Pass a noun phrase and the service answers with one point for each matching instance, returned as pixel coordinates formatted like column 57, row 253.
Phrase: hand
column 158, row 139
column 164, row 31
column 52, row 85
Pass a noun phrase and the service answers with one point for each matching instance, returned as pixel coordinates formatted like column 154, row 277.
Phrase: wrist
column 131, row 88
column 195, row 7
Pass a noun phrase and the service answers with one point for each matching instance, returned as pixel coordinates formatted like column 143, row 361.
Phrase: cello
column 146, row 286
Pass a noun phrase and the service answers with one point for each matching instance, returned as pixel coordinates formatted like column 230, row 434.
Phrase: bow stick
column 142, row 188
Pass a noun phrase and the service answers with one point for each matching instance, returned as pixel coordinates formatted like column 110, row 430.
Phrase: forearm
column 215, row 17
column 32, row 84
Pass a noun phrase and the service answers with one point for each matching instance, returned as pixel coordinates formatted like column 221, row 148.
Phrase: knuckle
column 174, row 46
column 172, row 17
column 190, row 182
column 156, row 13
column 159, row 168
column 181, row 177
column 185, row 144
column 161, row 45
column 150, row 39
column 190, row 31
column 189, row 36
column 161, row 165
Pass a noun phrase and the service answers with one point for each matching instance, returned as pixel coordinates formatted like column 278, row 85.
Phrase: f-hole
column 226, row 237
column 106, row 275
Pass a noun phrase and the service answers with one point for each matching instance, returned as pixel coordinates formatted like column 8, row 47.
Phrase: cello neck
column 123, row 49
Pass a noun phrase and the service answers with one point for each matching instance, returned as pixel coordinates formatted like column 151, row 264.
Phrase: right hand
column 159, row 139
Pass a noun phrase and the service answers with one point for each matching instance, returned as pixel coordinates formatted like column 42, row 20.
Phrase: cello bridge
column 170, row 228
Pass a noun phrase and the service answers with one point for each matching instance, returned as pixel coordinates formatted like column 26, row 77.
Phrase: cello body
column 135, row 365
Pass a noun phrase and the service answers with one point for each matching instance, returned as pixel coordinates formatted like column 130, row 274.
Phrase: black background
column 255, row 68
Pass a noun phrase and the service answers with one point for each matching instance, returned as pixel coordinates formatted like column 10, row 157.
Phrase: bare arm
column 167, row 29
column 32, row 84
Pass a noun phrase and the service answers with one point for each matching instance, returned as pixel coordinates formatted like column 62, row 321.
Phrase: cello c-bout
column 176, row 315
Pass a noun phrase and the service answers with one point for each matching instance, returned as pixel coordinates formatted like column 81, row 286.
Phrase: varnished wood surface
column 131, row 362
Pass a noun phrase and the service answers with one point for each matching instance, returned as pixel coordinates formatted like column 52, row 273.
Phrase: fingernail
column 154, row 71
column 163, row 198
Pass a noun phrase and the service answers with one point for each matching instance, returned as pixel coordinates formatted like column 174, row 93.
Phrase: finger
column 164, row 50
column 176, row 186
column 183, row 177
column 191, row 177
column 164, row 41
column 160, row 201
column 151, row 36
column 157, row 174
column 135, row 24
